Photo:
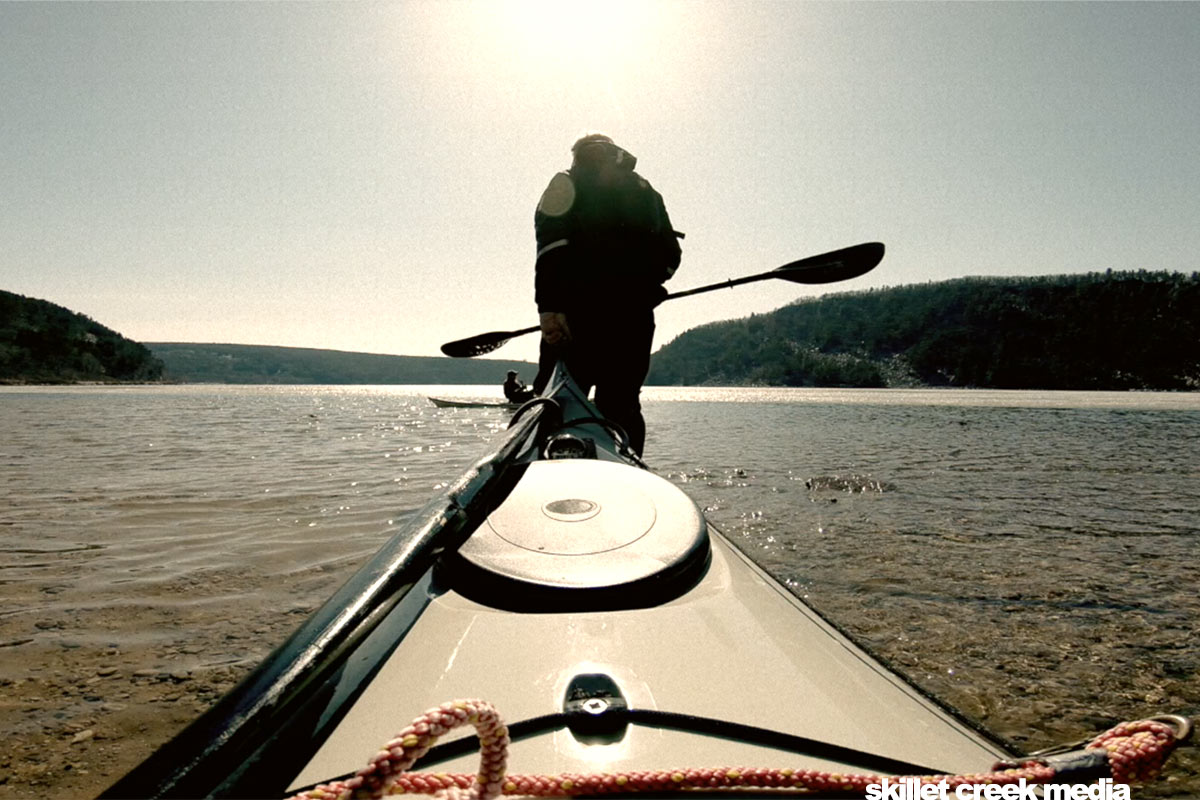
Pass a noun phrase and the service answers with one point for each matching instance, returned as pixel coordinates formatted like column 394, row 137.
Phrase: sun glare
column 567, row 34
column 586, row 27
column 564, row 64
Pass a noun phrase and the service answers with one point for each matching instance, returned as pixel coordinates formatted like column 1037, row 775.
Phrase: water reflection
column 1028, row 557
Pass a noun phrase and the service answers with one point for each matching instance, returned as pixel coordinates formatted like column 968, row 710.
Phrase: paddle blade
column 839, row 265
column 483, row 343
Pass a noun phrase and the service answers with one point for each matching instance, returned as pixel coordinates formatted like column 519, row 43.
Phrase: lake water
column 1029, row 558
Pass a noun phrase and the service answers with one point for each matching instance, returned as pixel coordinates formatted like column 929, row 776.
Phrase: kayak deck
column 734, row 647
column 591, row 603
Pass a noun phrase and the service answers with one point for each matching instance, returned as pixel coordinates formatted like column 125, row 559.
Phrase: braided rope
column 392, row 762
column 1136, row 752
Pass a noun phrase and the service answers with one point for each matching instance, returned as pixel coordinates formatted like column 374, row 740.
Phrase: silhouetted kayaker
column 605, row 248
column 515, row 389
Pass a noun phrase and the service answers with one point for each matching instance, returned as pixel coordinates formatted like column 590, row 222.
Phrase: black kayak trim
column 246, row 744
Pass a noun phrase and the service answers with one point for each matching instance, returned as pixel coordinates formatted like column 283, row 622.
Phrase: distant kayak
column 443, row 402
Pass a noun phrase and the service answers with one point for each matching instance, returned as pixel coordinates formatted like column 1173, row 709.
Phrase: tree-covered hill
column 41, row 342
column 244, row 363
column 1126, row 330
column 1097, row 331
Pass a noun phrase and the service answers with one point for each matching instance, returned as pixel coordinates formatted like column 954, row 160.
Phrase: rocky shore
column 79, row 713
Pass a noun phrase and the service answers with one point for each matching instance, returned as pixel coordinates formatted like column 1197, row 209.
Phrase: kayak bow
column 589, row 600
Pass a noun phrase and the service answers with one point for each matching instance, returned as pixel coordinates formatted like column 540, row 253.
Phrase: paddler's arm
column 669, row 251
column 555, row 331
column 552, row 224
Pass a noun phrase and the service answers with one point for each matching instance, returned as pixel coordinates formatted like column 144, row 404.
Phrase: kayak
column 588, row 601
column 445, row 402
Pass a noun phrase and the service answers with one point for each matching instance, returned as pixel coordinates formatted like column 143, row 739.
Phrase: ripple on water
column 1030, row 566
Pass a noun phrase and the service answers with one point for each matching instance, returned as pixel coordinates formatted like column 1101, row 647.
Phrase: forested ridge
column 1112, row 330
column 44, row 343
column 249, row 363
column 41, row 342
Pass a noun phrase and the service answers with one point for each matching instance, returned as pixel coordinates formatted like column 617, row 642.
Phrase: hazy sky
column 362, row 176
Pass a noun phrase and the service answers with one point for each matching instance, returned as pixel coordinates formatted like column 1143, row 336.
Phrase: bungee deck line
column 1132, row 752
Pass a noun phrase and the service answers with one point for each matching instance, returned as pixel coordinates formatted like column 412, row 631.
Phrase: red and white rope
column 1136, row 752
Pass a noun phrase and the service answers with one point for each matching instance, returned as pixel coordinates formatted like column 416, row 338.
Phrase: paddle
column 839, row 265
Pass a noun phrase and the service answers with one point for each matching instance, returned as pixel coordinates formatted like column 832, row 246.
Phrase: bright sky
column 362, row 176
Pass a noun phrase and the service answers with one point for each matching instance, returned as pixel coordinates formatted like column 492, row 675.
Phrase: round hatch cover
column 573, row 510
column 586, row 534
column 560, row 514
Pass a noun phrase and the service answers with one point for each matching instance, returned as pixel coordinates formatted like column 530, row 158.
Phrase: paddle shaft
column 729, row 284
column 493, row 341
column 838, row 265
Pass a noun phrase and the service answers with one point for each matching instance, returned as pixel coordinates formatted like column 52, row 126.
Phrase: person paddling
column 605, row 248
column 515, row 389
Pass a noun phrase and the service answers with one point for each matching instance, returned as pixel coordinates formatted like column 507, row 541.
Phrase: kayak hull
column 446, row 402
column 559, row 574
column 733, row 648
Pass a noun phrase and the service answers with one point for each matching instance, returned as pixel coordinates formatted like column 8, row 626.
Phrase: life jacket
column 602, row 231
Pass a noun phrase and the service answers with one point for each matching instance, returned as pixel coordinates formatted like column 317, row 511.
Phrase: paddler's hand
column 555, row 331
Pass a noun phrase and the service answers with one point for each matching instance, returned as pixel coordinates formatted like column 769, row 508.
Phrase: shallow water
column 1027, row 557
